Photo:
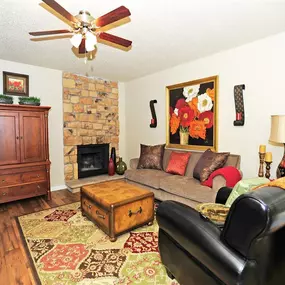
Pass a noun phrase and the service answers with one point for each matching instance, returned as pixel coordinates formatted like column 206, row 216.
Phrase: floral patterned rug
column 66, row 248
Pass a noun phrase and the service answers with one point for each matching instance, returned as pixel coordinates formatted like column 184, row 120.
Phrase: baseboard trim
column 59, row 187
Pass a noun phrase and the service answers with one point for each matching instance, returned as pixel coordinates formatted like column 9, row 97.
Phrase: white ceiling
column 165, row 33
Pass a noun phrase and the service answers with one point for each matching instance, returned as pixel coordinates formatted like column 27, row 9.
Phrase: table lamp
column 277, row 135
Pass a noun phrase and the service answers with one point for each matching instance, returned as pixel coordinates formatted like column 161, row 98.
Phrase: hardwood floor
column 14, row 265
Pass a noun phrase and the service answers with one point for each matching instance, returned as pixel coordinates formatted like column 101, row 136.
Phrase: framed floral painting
column 192, row 114
column 15, row 84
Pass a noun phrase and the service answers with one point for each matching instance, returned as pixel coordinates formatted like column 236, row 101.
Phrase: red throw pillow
column 178, row 162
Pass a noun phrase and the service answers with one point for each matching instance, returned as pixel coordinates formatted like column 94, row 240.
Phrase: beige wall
column 46, row 84
column 258, row 65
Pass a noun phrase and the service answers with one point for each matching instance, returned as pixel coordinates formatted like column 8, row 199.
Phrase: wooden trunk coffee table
column 117, row 206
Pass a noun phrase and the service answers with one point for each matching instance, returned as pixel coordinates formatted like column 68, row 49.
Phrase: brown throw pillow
column 209, row 162
column 151, row 156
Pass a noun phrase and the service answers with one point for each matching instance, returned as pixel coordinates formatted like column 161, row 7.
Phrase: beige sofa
column 184, row 189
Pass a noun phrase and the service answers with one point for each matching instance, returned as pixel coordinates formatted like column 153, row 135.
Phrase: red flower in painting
column 15, row 85
column 186, row 115
column 207, row 118
column 180, row 103
column 170, row 111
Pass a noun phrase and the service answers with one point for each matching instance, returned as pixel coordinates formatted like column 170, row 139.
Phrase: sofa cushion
column 189, row 188
column 178, row 162
column 209, row 162
column 149, row 177
column 151, row 156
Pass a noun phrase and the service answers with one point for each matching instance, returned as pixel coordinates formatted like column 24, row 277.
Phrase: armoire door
column 32, row 136
column 9, row 138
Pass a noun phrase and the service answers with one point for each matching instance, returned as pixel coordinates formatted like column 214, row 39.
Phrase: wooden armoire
column 24, row 152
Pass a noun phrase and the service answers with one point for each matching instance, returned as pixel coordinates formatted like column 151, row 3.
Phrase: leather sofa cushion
column 148, row 177
column 188, row 188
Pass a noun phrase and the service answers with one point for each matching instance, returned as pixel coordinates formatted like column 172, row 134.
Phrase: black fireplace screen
column 92, row 159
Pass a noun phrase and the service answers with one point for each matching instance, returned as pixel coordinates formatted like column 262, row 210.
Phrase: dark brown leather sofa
column 248, row 250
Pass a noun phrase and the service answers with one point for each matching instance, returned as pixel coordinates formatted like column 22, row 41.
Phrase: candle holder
column 261, row 163
column 267, row 173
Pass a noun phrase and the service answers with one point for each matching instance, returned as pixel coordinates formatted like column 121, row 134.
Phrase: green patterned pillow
column 244, row 186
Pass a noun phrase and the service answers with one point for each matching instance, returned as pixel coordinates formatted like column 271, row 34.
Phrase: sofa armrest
column 219, row 181
column 200, row 238
column 134, row 163
column 223, row 194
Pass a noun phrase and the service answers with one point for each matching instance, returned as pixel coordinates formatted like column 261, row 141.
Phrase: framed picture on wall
column 191, row 116
column 15, row 84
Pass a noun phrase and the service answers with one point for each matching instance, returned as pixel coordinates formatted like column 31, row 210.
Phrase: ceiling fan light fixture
column 85, row 28
column 91, row 41
column 91, row 38
column 76, row 40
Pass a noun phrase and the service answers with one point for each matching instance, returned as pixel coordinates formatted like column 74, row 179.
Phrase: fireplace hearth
column 92, row 159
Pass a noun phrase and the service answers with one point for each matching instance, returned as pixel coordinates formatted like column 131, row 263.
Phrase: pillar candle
column 268, row 157
column 262, row 148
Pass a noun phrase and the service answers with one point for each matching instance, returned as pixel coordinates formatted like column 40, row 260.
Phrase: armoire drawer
column 34, row 176
column 19, row 178
column 10, row 179
column 20, row 192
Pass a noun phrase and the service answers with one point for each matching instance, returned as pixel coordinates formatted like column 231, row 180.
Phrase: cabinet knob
column 39, row 186
column 21, row 138
column 17, row 137
column 38, row 175
column 4, row 193
column 3, row 180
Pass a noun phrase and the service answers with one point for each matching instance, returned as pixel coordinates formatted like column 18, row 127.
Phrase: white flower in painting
column 189, row 92
column 176, row 112
column 204, row 103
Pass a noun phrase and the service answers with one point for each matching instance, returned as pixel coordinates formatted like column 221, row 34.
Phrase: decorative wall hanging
column 191, row 116
column 153, row 114
column 239, row 105
column 15, row 84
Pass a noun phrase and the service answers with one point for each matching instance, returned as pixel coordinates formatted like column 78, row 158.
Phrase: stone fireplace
column 92, row 159
column 91, row 116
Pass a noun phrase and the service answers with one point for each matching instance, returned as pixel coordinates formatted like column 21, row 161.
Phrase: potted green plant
column 4, row 99
column 30, row 101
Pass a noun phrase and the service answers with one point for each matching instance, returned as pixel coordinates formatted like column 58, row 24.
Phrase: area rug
column 66, row 248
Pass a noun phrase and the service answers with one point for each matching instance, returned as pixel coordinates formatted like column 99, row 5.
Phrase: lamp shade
column 76, row 40
column 91, row 41
column 277, row 133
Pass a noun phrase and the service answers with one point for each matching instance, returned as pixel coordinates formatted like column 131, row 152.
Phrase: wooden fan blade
column 113, row 16
column 53, row 32
column 82, row 47
column 59, row 9
column 115, row 39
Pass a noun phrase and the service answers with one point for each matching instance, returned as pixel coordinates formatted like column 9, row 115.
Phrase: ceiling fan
column 86, row 29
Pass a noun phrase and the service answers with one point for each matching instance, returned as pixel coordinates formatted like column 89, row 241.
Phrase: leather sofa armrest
column 200, row 238
column 134, row 163
column 223, row 194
